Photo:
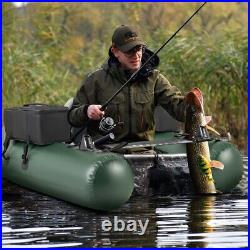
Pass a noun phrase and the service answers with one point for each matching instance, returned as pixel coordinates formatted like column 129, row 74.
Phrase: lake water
column 32, row 220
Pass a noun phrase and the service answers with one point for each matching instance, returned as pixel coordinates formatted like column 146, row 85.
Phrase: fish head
column 195, row 116
column 194, row 100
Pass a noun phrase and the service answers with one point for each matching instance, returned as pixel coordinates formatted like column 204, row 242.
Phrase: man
column 133, row 108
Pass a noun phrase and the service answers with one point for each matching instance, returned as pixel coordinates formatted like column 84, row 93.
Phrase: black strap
column 6, row 145
column 25, row 152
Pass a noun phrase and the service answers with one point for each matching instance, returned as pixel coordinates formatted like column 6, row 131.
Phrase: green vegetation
column 49, row 47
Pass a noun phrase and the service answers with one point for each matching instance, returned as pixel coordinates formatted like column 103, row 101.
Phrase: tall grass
column 218, row 66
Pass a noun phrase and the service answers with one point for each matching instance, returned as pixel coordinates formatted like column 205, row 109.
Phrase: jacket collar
column 112, row 66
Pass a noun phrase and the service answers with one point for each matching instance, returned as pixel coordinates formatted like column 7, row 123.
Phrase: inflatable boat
column 36, row 155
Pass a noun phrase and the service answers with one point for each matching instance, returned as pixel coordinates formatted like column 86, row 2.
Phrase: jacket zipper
column 142, row 117
column 118, row 114
column 130, row 112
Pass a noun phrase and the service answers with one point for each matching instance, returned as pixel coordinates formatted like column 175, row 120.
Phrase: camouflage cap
column 126, row 37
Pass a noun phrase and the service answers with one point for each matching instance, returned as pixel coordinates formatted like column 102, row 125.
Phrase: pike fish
column 198, row 154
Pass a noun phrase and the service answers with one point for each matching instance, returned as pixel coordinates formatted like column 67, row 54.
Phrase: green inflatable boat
column 100, row 179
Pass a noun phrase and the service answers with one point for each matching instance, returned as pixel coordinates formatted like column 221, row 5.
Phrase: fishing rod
column 107, row 120
column 104, row 106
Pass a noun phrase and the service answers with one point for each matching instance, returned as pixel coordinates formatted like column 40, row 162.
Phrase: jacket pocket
column 144, row 109
column 143, row 98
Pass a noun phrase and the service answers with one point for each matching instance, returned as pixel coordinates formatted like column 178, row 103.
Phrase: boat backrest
column 165, row 122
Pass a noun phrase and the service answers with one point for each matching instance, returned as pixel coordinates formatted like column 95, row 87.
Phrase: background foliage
column 49, row 47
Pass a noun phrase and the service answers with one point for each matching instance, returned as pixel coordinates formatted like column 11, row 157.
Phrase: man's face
column 130, row 60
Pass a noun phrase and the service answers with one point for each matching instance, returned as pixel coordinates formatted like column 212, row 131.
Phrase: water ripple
column 174, row 221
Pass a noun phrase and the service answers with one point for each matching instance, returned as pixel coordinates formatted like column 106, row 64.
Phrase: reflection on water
column 203, row 222
column 34, row 220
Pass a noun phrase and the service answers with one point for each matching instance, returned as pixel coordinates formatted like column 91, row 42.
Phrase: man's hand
column 94, row 112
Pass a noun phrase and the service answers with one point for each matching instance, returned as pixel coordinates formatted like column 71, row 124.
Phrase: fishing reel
column 106, row 125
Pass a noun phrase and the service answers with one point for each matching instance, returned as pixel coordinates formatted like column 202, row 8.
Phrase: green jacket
column 133, row 108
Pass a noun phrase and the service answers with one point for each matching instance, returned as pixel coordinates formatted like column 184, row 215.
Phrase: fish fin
column 217, row 164
column 203, row 160
column 211, row 179
column 212, row 129
column 205, row 167
column 208, row 119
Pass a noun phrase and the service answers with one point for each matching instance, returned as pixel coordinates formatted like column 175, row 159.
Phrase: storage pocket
column 144, row 109
column 144, row 97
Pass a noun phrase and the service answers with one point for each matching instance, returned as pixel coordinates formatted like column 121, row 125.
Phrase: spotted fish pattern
column 205, row 167
column 198, row 154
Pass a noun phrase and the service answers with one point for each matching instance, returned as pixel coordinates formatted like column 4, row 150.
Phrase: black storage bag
column 39, row 124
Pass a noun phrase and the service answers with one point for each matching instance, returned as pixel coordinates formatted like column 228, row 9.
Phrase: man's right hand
column 94, row 112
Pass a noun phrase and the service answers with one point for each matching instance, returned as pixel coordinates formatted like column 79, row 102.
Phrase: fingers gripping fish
column 198, row 154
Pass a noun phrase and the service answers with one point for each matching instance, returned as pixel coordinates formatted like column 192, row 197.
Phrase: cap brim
column 131, row 45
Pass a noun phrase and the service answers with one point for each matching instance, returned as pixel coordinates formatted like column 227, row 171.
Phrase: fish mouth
column 194, row 101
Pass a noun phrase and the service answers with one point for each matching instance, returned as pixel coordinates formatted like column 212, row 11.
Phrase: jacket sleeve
column 85, row 96
column 170, row 98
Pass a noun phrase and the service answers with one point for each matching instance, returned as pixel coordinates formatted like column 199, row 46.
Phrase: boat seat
column 164, row 122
